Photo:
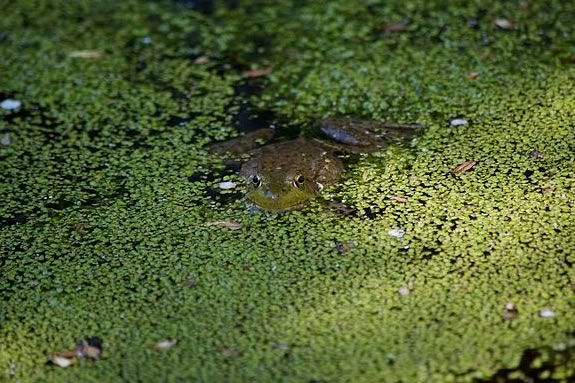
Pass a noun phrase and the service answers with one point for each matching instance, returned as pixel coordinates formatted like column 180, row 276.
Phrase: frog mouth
column 285, row 200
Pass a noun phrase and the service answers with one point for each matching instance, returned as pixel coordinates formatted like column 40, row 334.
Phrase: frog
column 284, row 175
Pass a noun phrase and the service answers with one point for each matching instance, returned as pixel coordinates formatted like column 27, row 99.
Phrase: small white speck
column 403, row 291
column 546, row 313
column 458, row 122
column 227, row 185
column 10, row 104
column 504, row 23
column 319, row 186
column 61, row 361
column 397, row 233
column 146, row 40
column 165, row 344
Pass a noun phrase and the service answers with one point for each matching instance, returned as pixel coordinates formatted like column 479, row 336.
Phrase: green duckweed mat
column 112, row 223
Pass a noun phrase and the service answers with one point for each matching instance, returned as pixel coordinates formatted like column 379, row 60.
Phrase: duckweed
column 108, row 193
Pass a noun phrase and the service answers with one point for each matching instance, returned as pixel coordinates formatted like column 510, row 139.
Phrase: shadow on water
column 247, row 118
column 205, row 7
column 536, row 365
column 14, row 219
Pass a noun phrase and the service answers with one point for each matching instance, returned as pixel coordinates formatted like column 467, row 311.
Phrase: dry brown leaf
column 397, row 198
column 548, row 189
column 89, row 348
column 472, row 75
column 258, row 72
column 226, row 224
column 395, row 27
column 463, row 167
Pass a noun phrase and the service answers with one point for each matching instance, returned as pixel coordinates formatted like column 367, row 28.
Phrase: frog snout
column 270, row 194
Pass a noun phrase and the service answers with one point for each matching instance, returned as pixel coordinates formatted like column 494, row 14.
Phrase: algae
column 108, row 194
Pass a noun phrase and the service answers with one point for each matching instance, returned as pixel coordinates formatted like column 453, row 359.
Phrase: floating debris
column 258, row 72
column 548, row 189
column 397, row 233
column 227, row 224
column 459, row 122
column 510, row 312
column 546, row 313
column 226, row 185
column 403, row 291
column 472, row 75
column 504, row 24
column 89, row 348
column 202, row 60
column 463, row 167
column 397, row 198
column 10, row 104
column 395, row 27
column 86, row 54
column 164, row 344
column 62, row 359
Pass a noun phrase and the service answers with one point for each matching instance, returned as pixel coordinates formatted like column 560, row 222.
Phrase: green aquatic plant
column 113, row 224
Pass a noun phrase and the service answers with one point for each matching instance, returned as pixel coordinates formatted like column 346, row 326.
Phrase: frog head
column 278, row 188
column 283, row 176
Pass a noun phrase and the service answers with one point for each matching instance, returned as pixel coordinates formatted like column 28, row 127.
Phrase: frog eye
column 257, row 181
column 298, row 180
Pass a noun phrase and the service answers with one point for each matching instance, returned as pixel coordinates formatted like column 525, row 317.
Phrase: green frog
column 284, row 175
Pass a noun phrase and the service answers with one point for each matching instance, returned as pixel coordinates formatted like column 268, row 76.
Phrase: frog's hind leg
column 367, row 135
column 397, row 132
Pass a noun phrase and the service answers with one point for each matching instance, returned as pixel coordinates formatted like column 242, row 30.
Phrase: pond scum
column 452, row 261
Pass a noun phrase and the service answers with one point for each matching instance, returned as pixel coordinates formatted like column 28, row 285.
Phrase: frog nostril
column 269, row 194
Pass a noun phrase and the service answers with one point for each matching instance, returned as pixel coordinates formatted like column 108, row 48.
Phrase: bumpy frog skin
column 284, row 175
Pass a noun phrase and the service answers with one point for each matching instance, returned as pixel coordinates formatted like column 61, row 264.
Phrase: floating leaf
column 227, row 224
column 463, row 167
